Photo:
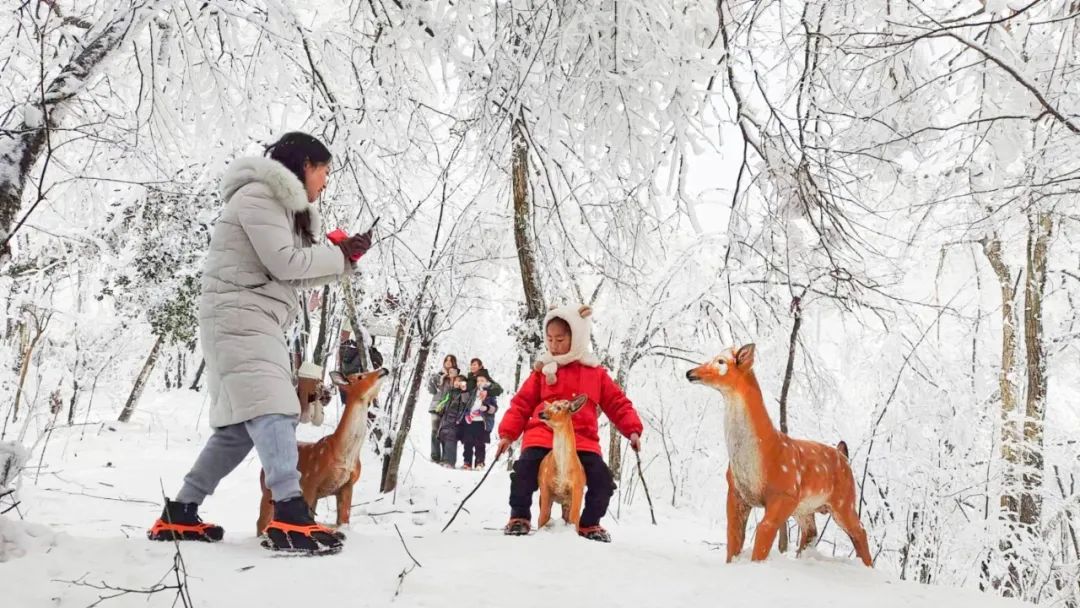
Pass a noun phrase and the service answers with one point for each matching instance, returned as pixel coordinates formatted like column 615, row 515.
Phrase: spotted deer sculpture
column 788, row 477
column 331, row 465
column 561, row 476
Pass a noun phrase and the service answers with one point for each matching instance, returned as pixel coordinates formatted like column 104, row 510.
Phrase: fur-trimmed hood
column 578, row 317
column 284, row 186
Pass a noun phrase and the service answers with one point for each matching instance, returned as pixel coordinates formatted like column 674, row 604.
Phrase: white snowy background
column 902, row 168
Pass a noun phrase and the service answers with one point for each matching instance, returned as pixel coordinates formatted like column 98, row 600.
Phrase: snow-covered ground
column 100, row 488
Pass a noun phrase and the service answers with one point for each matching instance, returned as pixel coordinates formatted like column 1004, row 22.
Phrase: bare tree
column 21, row 147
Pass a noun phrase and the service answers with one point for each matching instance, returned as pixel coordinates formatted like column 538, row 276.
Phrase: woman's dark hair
column 293, row 150
column 478, row 362
column 450, row 358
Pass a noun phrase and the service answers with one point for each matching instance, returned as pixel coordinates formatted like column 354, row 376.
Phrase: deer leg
column 738, row 511
column 577, row 497
column 777, row 512
column 344, row 504
column 344, row 498
column 848, row 520
column 545, row 505
column 807, row 531
column 266, row 505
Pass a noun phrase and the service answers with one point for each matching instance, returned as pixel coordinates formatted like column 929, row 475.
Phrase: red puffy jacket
column 571, row 380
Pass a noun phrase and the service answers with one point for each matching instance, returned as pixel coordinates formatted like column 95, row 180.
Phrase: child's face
column 482, row 382
column 558, row 338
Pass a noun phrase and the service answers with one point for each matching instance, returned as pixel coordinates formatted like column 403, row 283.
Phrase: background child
column 476, row 432
column 566, row 370
column 450, row 431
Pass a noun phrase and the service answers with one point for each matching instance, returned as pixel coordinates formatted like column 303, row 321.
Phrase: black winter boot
column 293, row 530
column 180, row 521
column 597, row 533
column 517, row 526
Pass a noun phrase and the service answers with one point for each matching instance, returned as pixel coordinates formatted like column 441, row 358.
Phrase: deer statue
column 331, row 465
column 562, row 478
column 766, row 468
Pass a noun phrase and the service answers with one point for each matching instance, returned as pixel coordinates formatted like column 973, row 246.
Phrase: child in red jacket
column 567, row 370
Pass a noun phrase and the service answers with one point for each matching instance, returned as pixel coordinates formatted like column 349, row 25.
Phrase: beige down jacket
column 255, row 265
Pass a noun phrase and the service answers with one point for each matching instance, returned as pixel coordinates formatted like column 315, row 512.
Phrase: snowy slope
column 99, row 490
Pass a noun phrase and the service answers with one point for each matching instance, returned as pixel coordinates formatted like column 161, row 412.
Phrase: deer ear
column 578, row 403
column 745, row 357
column 585, row 311
column 339, row 379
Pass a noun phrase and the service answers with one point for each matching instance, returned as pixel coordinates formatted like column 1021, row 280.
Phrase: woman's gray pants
column 274, row 438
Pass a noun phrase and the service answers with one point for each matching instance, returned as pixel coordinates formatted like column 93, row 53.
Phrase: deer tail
column 842, row 448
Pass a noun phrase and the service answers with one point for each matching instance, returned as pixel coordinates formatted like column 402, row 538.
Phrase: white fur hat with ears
column 579, row 318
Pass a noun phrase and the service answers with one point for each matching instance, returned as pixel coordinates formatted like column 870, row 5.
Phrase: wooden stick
column 409, row 553
column 641, row 475
column 486, row 473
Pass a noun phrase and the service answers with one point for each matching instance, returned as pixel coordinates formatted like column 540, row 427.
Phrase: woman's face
column 315, row 179
column 448, row 363
column 475, row 366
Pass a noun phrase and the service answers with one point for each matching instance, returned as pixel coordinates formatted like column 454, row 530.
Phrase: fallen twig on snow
column 462, row 505
column 131, row 500
column 398, row 512
column 119, row 591
column 179, row 569
column 404, row 571
column 409, row 553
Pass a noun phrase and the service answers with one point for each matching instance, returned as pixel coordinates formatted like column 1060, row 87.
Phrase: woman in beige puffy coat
column 266, row 244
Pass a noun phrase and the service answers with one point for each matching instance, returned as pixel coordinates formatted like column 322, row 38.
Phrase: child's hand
column 504, row 444
column 635, row 442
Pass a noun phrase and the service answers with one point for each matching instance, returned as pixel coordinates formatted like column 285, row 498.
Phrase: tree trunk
column 1011, row 438
column 140, row 382
column 390, row 479
column 789, row 371
column 1010, row 430
column 74, row 399
column 28, row 353
column 21, row 147
column 523, row 240
column 24, row 368
column 517, row 370
column 614, row 436
column 198, row 376
column 1040, row 226
column 354, row 320
column 321, row 348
